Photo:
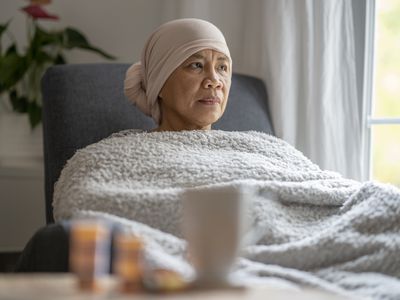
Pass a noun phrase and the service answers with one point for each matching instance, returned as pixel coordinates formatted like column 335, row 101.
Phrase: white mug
column 214, row 222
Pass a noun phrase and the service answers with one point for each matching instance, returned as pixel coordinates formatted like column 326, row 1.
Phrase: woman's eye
column 196, row 65
column 223, row 68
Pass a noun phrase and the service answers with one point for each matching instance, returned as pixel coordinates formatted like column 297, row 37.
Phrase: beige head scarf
column 165, row 50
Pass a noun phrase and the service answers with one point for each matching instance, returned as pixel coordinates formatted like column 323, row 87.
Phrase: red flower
column 37, row 12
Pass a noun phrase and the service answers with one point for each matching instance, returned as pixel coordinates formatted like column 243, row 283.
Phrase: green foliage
column 20, row 73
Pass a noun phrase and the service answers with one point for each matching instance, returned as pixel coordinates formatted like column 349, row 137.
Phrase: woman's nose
column 212, row 81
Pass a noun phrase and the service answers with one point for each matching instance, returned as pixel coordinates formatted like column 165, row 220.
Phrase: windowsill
column 31, row 167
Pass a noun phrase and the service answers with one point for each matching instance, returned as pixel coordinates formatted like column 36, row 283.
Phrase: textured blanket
column 313, row 227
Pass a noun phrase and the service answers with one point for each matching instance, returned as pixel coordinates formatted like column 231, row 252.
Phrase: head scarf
column 165, row 50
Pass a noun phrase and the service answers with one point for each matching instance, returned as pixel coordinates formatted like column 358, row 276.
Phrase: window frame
column 369, row 88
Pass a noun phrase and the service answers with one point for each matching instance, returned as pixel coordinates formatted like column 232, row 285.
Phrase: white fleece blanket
column 314, row 227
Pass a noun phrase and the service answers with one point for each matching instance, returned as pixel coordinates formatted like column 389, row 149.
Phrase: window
column 384, row 109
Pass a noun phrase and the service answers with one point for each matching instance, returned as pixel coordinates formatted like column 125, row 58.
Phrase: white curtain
column 304, row 51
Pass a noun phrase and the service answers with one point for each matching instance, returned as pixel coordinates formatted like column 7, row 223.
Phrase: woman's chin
column 207, row 121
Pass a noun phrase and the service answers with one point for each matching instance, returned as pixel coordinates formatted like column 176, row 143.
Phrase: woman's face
column 196, row 93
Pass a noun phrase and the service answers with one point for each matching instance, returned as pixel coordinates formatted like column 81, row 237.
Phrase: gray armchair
column 85, row 103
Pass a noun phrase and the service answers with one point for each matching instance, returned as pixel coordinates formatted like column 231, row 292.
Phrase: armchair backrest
column 84, row 103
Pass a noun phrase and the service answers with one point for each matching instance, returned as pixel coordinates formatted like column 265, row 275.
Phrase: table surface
column 57, row 286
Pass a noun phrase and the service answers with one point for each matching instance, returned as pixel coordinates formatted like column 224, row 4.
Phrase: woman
column 182, row 82
column 184, row 76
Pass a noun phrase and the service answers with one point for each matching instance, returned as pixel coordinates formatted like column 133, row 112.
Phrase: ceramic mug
column 214, row 223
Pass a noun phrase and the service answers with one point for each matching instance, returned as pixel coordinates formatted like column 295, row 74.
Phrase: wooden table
column 64, row 287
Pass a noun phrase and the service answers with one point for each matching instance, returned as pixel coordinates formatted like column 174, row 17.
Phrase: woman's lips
column 210, row 101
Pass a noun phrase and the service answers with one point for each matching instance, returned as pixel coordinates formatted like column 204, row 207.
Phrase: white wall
column 119, row 27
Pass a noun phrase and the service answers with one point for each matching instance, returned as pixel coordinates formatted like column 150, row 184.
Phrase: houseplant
column 21, row 70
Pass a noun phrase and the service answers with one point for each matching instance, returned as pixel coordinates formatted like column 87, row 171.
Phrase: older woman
column 184, row 76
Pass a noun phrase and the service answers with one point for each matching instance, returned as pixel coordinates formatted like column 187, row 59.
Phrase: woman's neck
column 170, row 126
column 178, row 125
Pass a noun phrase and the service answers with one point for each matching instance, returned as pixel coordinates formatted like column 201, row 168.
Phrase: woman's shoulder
column 115, row 139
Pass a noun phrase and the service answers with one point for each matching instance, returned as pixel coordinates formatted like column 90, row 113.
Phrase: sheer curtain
column 304, row 51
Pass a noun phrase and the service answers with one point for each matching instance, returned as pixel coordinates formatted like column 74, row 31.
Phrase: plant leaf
column 12, row 68
column 35, row 114
column 41, row 57
column 44, row 38
column 19, row 104
column 11, row 49
column 60, row 60
column 36, row 50
column 98, row 51
column 75, row 39
column 23, row 105
column 3, row 27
